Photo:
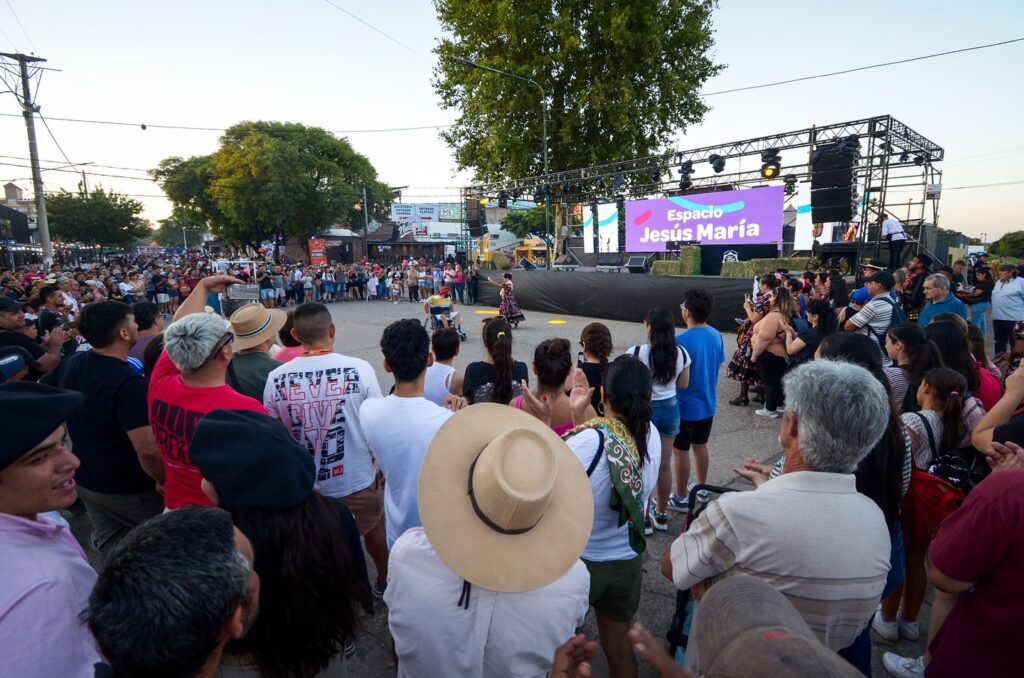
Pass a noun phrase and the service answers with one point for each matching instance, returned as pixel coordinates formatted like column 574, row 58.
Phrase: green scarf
column 627, row 477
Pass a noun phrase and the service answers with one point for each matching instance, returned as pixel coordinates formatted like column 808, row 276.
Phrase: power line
column 146, row 125
column 22, row 26
column 862, row 68
column 4, row 33
column 372, row 27
column 55, row 142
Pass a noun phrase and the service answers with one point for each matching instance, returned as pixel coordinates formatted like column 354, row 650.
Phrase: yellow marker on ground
column 486, row 312
column 556, row 322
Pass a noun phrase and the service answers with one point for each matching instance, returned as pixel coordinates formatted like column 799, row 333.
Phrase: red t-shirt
column 983, row 542
column 989, row 390
column 174, row 409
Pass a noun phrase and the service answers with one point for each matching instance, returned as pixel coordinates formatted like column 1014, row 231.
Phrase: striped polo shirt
column 810, row 535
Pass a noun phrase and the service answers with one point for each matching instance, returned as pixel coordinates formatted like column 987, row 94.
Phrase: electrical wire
column 22, row 26
column 861, row 68
column 4, row 33
column 374, row 28
column 55, row 142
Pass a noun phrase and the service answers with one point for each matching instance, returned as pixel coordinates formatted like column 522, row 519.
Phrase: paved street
column 737, row 434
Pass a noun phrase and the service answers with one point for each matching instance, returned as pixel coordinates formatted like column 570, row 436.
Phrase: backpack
column 934, row 494
column 897, row 316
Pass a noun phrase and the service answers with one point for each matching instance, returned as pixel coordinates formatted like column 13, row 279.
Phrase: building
column 15, row 199
column 16, row 247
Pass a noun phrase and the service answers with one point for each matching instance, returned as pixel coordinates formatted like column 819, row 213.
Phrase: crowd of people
column 236, row 471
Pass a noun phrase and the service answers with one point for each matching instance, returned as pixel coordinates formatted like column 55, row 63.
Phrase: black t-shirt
column 266, row 281
column 1010, row 432
column 593, row 374
column 812, row 339
column 34, row 349
column 986, row 286
column 48, row 320
column 115, row 403
column 477, row 384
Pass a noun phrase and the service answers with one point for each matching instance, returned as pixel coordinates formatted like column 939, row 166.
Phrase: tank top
column 436, row 382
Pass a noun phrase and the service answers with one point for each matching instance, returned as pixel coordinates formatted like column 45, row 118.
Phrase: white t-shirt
column 437, row 382
column 317, row 398
column 663, row 391
column 608, row 541
column 125, row 287
column 398, row 432
column 894, row 228
column 923, row 452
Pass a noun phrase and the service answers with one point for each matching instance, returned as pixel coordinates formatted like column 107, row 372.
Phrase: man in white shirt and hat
column 492, row 583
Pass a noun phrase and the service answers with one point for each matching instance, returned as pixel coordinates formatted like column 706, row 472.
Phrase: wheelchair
column 432, row 322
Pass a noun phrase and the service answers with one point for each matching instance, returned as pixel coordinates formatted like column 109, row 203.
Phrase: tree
column 523, row 222
column 621, row 78
column 176, row 230
column 1011, row 244
column 100, row 217
column 271, row 178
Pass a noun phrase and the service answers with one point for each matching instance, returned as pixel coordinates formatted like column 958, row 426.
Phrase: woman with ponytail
column 670, row 369
column 934, row 430
column 497, row 378
column 912, row 355
column 956, row 354
column 620, row 454
column 596, row 345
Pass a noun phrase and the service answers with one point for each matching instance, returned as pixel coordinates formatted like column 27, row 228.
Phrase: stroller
column 678, row 634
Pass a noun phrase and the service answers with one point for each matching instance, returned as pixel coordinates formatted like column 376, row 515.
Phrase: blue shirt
column 707, row 352
column 948, row 305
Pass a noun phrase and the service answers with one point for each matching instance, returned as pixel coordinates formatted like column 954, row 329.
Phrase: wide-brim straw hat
column 504, row 501
column 253, row 324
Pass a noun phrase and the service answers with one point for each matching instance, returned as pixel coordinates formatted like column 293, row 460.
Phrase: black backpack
column 897, row 316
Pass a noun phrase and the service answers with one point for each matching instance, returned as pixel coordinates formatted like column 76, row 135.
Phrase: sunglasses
column 221, row 343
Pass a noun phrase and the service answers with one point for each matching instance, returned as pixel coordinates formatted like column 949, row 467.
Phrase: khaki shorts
column 615, row 587
column 367, row 505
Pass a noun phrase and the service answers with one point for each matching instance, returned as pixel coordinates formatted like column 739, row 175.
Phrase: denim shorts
column 665, row 416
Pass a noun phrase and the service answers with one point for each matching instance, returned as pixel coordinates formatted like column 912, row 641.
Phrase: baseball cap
column 747, row 628
column 29, row 412
column 860, row 296
column 7, row 304
column 883, row 278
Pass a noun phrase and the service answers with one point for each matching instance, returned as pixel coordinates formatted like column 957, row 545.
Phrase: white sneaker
column 903, row 667
column 888, row 630
column 763, row 412
column 908, row 629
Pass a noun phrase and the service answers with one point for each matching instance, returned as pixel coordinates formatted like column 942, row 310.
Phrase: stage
column 618, row 296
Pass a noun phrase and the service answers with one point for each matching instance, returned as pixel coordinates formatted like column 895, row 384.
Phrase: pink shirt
column 46, row 582
column 287, row 353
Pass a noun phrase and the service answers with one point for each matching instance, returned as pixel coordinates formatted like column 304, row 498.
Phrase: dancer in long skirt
column 509, row 307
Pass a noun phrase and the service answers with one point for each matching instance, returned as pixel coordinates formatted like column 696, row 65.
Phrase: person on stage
column 509, row 307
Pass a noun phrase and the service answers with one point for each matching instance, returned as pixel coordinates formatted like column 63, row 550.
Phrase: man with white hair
column 188, row 381
column 936, row 291
column 808, row 532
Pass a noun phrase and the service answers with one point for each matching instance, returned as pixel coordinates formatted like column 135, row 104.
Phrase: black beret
column 29, row 412
column 251, row 460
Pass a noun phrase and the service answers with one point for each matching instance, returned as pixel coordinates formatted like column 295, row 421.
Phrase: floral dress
column 509, row 307
column 740, row 368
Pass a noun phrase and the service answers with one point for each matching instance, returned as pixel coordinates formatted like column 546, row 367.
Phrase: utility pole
column 366, row 214
column 85, row 184
column 29, row 110
column 184, row 238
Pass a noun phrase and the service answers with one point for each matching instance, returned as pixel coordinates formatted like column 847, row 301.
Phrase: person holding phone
column 741, row 368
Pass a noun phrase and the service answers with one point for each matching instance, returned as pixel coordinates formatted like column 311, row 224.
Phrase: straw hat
column 503, row 500
column 253, row 324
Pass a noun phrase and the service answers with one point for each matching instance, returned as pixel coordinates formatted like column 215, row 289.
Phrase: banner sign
column 402, row 213
column 452, row 212
column 744, row 217
column 317, row 252
column 427, row 213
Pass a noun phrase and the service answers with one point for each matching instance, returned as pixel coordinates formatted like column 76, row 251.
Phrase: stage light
column 600, row 184
column 918, row 159
column 619, row 179
column 772, row 163
column 686, row 168
column 515, row 194
column 904, row 156
column 790, row 182
column 566, row 188
column 717, row 162
column 503, row 199
column 580, row 186
column 685, row 183
column 655, row 174
column 538, row 201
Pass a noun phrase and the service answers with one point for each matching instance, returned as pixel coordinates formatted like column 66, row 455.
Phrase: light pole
column 544, row 118
column 184, row 238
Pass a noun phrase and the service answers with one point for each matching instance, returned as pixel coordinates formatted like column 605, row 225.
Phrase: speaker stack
column 475, row 218
column 833, row 181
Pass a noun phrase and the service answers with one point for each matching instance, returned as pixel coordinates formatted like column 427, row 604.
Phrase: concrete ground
column 738, row 433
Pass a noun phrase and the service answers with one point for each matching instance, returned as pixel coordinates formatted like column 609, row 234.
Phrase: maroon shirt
column 983, row 542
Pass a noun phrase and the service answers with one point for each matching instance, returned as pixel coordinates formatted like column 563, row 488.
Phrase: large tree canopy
column 1011, row 244
column 100, row 217
column 177, row 231
column 269, row 178
column 621, row 77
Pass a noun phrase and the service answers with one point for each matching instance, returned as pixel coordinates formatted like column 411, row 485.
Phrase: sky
column 213, row 64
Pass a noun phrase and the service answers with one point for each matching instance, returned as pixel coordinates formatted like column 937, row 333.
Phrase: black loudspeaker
column 833, row 191
column 475, row 218
column 608, row 259
column 638, row 265
column 526, row 265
